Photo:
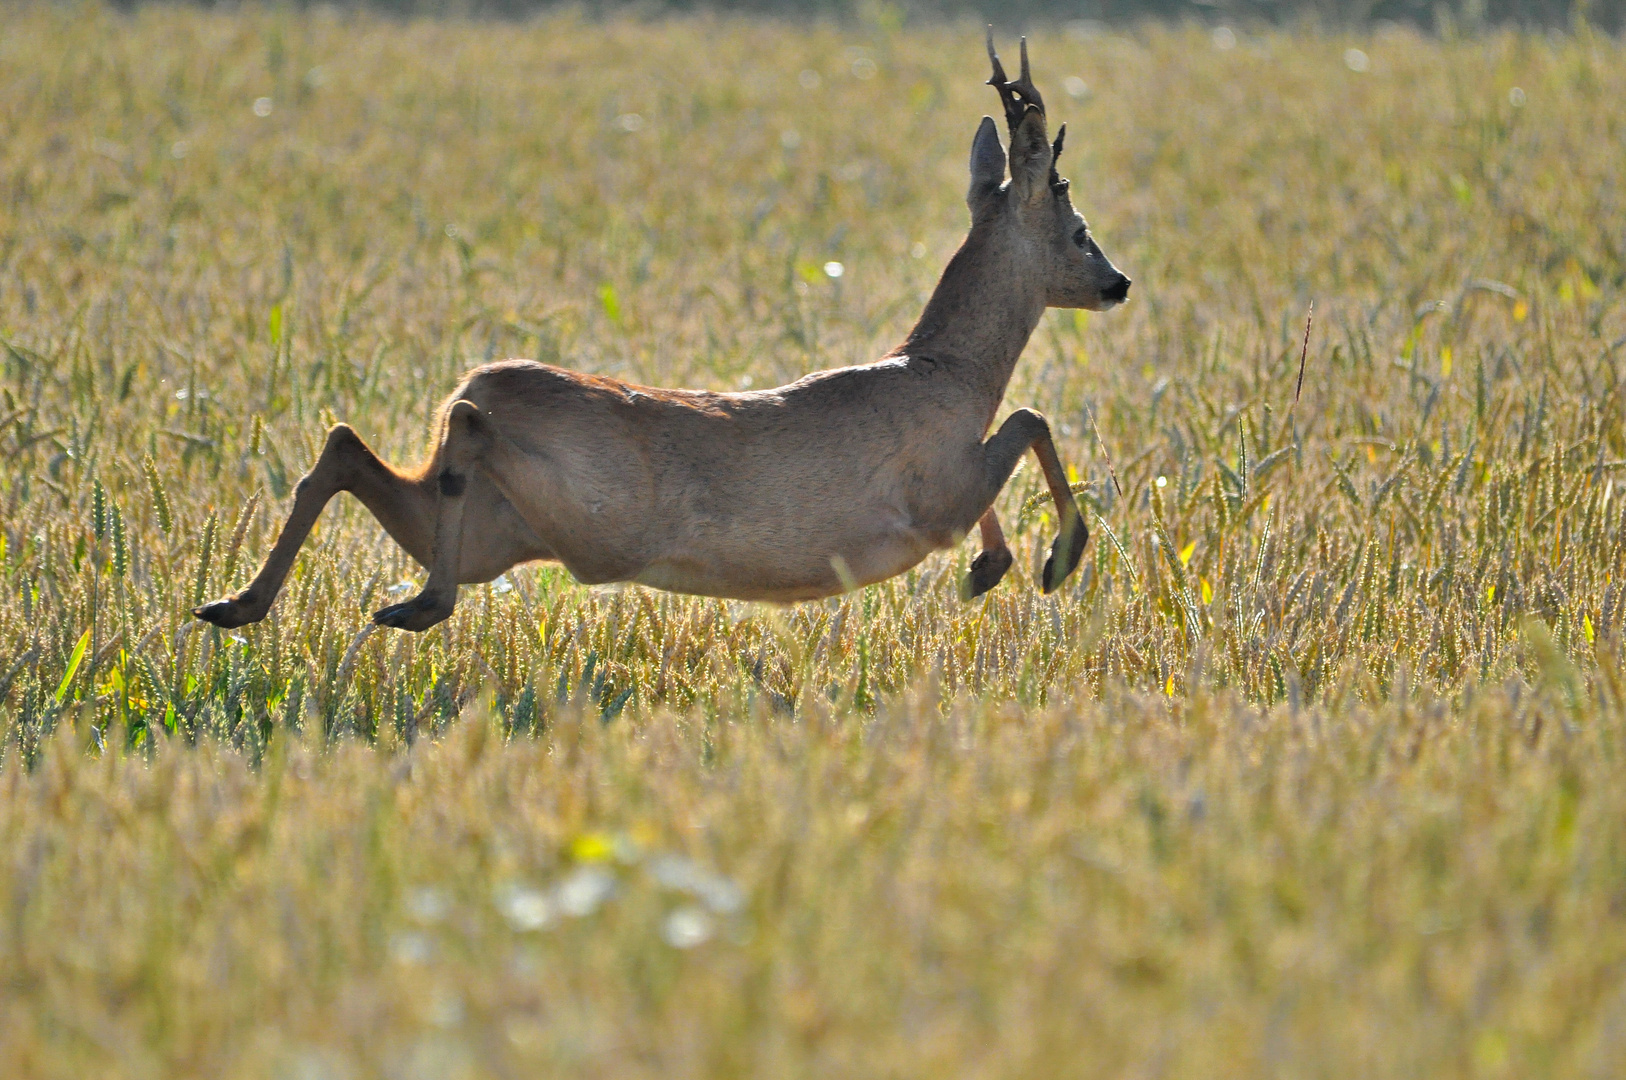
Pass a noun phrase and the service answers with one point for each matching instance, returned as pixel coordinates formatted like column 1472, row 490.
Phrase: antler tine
column 1024, row 85
column 997, row 79
column 1015, row 96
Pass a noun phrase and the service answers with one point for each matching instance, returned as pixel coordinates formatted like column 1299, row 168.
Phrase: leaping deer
column 844, row 477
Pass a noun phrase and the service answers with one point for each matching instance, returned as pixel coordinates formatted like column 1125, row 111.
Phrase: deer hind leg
column 1023, row 429
column 991, row 563
column 466, row 438
column 403, row 506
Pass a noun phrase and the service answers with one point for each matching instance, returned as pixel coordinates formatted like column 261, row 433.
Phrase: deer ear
column 1030, row 156
column 987, row 163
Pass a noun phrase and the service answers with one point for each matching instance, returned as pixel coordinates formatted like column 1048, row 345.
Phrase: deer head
column 1034, row 205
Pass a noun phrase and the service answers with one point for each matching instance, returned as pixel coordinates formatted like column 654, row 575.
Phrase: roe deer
column 844, row 477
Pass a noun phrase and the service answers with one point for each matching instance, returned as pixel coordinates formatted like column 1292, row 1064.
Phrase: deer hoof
column 419, row 613
column 986, row 570
column 232, row 611
column 1065, row 552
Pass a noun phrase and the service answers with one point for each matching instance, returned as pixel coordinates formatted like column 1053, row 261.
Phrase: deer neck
column 983, row 311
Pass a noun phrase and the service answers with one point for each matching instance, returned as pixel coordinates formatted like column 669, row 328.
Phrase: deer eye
column 1082, row 236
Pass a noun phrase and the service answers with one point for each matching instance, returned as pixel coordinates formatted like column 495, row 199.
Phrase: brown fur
column 843, row 477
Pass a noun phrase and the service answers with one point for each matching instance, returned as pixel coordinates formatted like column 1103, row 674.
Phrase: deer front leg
column 346, row 464
column 991, row 563
column 1025, row 428
column 459, row 453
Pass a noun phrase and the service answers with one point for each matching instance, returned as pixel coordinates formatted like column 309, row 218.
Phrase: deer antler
column 1018, row 95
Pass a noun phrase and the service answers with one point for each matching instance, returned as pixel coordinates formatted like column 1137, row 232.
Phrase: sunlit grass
column 1311, row 769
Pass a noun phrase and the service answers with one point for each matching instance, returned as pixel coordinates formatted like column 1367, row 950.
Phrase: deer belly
column 803, row 567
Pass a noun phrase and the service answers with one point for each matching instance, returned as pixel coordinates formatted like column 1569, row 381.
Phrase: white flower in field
column 630, row 122
column 917, row 250
column 1076, row 87
column 1515, row 97
column 685, row 875
column 262, row 107
column 687, row 927
column 1224, row 38
column 1357, row 61
column 399, row 587
column 427, row 904
column 790, row 138
column 502, row 586
column 525, row 908
column 834, row 269
column 864, row 68
column 411, row 947
column 583, row 891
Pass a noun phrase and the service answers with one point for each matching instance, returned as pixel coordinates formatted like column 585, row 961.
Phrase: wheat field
column 1314, row 769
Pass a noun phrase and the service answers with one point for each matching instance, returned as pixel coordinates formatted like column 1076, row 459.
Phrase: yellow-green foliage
column 1311, row 771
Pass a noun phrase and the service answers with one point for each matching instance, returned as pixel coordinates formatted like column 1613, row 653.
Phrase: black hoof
column 232, row 612
column 419, row 613
column 986, row 570
column 1065, row 553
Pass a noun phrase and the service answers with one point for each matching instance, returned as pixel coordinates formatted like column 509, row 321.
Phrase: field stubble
column 1311, row 770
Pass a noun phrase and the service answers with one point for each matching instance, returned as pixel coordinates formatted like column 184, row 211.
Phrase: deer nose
column 1118, row 291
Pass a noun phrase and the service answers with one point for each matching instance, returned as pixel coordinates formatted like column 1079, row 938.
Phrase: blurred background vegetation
column 1444, row 16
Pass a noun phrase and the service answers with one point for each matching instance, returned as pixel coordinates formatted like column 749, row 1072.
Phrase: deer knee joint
column 1032, row 421
column 344, row 454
